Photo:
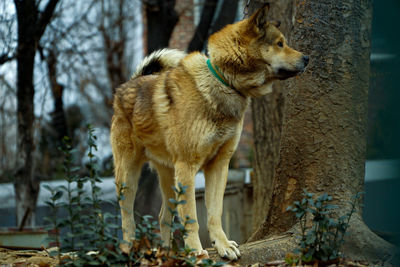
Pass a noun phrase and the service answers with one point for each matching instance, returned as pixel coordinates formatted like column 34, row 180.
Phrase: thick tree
column 32, row 23
column 323, row 138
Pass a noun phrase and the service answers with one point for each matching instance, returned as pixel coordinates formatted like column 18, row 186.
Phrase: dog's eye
column 280, row 44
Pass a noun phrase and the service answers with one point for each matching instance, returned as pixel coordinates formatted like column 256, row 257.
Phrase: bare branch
column 5, row 58
column 45, row 17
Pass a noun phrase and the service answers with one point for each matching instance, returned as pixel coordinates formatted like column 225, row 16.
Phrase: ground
column 41, row 258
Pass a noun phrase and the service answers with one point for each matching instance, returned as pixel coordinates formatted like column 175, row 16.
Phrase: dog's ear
column 259, row 18
column 276, row 23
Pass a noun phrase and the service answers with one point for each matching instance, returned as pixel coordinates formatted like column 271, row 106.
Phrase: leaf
column 173, row 201
column 49, row 203
column 58, row 195
column 46, row 186
column 299, row 214
column 331, row 207
column 74, row 169
column 191, row 221
column 63, row 187
column 182, row 202
column 102, row 258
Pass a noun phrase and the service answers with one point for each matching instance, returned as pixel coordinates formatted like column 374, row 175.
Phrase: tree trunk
column 201, row 34
column 114, row 38
column 324, row 128
column 324, row 131
column 226, row 15
column 31, row 27
column 25, row 184
column 267, row 122
column 59, row 122
column 161, row 20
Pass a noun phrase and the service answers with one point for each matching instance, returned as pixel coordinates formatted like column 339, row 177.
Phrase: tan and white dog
column 184, row 113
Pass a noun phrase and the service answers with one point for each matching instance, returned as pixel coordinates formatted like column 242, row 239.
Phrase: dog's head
column 253, row 53
column 269, row 44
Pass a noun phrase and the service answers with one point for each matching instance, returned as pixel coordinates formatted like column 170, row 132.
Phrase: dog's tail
column 158, row 61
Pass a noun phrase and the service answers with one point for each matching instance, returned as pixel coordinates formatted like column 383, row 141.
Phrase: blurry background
column 91, row 47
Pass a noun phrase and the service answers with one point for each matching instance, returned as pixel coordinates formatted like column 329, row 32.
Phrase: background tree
column 32, row 24
column 201, row 34
column 161, row 20
column 212, row 21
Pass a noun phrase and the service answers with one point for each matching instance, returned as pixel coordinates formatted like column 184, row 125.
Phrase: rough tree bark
column 31, row 26
column 267, row 113
column 323, row 138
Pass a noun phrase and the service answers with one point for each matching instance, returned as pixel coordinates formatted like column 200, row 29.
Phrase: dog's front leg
column 216, row 174
column 185, row 174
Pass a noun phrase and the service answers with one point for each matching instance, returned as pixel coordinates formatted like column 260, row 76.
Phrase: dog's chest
column 224, row 132
column 219, row 135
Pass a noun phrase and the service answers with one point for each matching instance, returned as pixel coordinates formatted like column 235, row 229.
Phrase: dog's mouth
column 283, row 73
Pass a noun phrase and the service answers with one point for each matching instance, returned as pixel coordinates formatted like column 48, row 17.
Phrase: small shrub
column 92, row 235
column 324, row 238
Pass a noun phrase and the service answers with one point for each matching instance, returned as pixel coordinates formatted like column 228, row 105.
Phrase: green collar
column 216, row 72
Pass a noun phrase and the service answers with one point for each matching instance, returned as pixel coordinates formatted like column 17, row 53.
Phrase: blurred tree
column 59, row 121
column 206, row 27
column 161, row 20
column 32, row 23
column 201, row 34
column 226, row 15
column 322, row 146
column 112, row 29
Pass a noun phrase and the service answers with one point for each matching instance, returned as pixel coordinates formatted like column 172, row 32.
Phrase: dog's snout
column 305, row 60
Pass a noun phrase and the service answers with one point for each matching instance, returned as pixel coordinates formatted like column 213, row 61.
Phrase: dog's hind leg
column 216, row 174
column 128, row 161
column 166, row 177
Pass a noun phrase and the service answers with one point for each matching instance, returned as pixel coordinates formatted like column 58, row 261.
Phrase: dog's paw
column 201, row 253
column 227, row 249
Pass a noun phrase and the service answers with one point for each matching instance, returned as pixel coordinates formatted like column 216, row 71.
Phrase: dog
column 184, row 113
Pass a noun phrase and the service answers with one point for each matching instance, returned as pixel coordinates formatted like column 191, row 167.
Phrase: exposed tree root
column 361, row 245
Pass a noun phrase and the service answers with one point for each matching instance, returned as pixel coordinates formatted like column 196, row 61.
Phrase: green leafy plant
column 56, row 223
column 92, row 235
column 322, row 239
column 178, row 225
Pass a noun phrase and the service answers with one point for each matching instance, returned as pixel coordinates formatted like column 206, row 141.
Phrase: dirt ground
column 41, row 258
column 21, row 258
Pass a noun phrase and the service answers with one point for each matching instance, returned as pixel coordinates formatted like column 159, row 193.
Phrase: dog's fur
column 175, row 114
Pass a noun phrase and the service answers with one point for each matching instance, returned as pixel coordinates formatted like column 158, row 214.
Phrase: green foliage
column 178, row 230
column 92, row 235
column 322, row 239
column 88, row 227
